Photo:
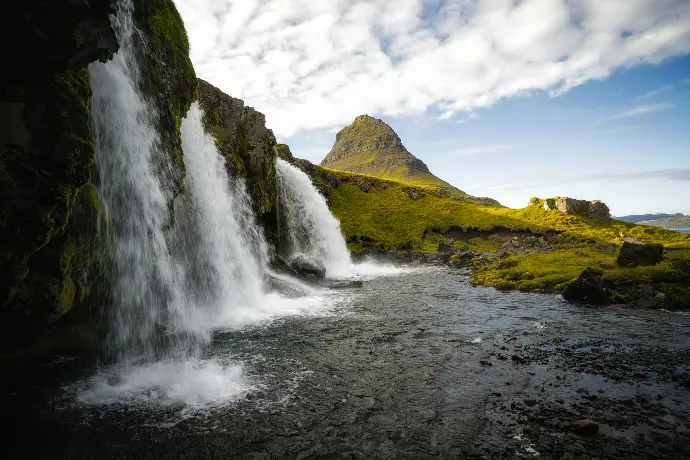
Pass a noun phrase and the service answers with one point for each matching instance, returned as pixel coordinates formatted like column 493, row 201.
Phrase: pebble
column 588, row 427
column 610, row 449
column 574, row 447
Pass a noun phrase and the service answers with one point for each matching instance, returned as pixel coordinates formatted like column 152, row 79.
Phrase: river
column 416, row 365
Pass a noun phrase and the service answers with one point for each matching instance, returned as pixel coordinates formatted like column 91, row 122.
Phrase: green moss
column 168, row 77
column 281, row 151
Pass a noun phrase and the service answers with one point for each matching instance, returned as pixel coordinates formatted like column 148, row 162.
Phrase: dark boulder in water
column 306, row 266
column 636, row 254
column 588, row 287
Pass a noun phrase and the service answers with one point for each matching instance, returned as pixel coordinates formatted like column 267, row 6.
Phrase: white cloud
column 641, row 110
column 656, row 92
column 480, row 149
column 319, row 64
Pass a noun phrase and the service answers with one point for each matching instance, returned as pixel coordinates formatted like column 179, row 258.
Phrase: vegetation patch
column 378, row 214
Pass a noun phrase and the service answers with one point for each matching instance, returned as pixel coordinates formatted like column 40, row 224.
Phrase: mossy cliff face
column 47, row 207
column 249, row 149
column 52, row 261
column 167, row 77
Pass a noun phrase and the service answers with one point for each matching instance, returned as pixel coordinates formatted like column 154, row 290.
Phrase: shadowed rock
column 636, row 254
column 589, row 287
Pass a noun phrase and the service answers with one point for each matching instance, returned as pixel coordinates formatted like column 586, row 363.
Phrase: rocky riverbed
column 417, row 365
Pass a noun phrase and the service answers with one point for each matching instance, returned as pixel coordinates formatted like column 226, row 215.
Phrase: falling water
column 312, row 229
column 220, row 244
column 145, row 283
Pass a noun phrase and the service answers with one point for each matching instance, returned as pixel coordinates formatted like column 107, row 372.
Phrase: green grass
column 385, row 216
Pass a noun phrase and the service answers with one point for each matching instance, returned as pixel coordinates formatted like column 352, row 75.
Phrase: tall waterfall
column 172, row 276
column 146, row 284
column 312, row 229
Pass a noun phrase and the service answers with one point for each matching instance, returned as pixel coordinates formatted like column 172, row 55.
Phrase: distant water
column 682, row 230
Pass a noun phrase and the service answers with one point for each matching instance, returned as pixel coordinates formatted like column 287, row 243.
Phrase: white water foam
column 195, row 384
column 315, row 232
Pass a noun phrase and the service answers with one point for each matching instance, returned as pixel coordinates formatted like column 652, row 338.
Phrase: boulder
column 443, row 247
column 598, row 210
column 588, row 287
column 549, row 204
column 636, row 254
column 306, row 266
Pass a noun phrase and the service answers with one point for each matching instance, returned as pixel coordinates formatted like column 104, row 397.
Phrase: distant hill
column 646, row 217
column 677, row 221
column 370, row 146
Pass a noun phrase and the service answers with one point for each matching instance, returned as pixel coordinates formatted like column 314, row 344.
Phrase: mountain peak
column 370, row 146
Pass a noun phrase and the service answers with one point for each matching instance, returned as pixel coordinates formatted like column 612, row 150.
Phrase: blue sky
column 624, row 140
column 502, row 98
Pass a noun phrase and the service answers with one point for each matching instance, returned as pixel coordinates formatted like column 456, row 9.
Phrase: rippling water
column 394, row 370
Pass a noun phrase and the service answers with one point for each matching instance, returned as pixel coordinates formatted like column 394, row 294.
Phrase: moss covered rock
column 47, row 211
column 249, row 149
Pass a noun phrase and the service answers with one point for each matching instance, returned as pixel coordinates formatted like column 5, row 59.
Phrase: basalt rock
column 249, row 149
column 596, row 210
column 49, row 259
column 588, row 287
column 634, row 254
column 306, row 266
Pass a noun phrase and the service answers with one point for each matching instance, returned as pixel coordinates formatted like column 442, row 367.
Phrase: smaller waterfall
column 312, row 229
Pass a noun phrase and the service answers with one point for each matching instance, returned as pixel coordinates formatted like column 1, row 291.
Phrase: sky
column 502, row 98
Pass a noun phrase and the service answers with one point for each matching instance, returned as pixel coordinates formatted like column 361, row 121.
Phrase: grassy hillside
column 395, row 216
column 389, row 164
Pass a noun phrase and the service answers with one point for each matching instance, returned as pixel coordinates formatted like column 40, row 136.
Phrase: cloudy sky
column 502, row 98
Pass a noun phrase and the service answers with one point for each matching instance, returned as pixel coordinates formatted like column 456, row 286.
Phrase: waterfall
column 312, row 229
column 314, row 232
column 220, row 243
column 135, row 191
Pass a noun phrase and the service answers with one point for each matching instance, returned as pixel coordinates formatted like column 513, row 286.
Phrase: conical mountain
column 370, row 146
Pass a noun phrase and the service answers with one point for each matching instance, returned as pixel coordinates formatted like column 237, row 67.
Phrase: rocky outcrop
column 596, row 210
column 249, row 149
column 48, row 208
column 637, row 254
column 588, row 288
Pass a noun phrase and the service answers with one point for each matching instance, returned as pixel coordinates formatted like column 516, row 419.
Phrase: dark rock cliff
column 52, row 258
column 47, row 198
column 248, row 147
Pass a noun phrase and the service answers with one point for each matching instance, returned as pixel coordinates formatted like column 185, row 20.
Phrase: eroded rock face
column 588, row 287
column 596, row 209
column 636, row 254
column 48, row 208
column 249, row 148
